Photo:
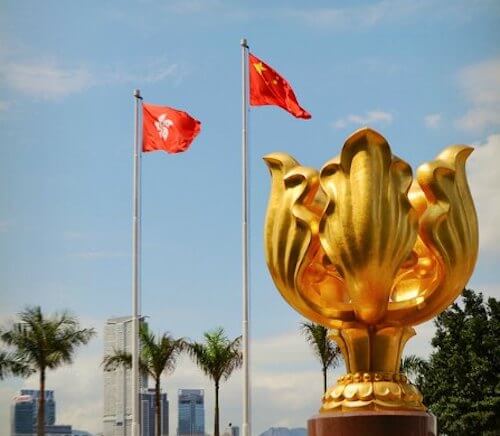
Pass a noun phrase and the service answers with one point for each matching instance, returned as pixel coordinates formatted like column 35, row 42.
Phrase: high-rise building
column 117, row 420
column 24, row 411
column 148, row 410
column 191, row 416
column 284, row 431
column 75, row 432
column 22, row 415
column 58, row 430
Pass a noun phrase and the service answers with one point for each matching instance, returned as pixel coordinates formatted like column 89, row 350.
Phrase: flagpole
column 246, row 427
column 136, row 263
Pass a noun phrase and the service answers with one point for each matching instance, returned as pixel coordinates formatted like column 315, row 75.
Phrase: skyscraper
column 191, row 404
column 148, row 409
column 24, row 411
column 117, row 384
column 58, row 430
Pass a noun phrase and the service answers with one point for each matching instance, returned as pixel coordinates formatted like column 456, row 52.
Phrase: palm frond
column 218, row 356
column 118, row 358
column 325, row 350
column 10, row 364
column 45, row 342
column 157, row 355
column 412, row 365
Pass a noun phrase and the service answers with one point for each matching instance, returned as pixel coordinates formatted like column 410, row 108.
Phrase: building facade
column 117, row 419
column 24, row 411
column 148, row 413
column 58, row 430
column 191, row 416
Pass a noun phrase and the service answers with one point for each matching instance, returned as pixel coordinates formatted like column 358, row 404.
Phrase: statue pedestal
column 390, row 423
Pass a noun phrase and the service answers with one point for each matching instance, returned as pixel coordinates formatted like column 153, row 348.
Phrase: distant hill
column 284, row 431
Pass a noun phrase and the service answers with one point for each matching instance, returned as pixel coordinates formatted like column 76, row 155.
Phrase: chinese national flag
column 167, row 129
column 267, row 87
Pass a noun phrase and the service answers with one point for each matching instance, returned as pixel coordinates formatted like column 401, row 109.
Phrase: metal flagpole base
column 245, row 430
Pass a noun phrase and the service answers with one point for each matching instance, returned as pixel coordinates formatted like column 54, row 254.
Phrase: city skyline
column 117, row 389
column 191, row 412
column 425, row 74
column 24, row 410
column 148, row 420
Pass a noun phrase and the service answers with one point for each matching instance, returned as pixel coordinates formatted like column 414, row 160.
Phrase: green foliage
column 412, row 365
column 40, row 342
column 461, row 380
column 158, row 354
column 37, row 343
column 218, row 357
column 11, row 365
column 327, row 352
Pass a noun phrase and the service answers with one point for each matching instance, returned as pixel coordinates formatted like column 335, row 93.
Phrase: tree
column 11, row 365
column 325, row 350
column 218, row 357
column 158, row 355
column 412, row 366
column 461, row 380
column 40, row 343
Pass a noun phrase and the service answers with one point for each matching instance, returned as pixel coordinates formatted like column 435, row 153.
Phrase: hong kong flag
column 267, row 87
column 167, row 129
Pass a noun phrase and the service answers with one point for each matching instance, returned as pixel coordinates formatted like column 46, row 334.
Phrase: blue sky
column 424, row 73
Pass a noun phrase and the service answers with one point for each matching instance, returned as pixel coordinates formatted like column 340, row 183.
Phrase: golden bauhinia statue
column 366, row 250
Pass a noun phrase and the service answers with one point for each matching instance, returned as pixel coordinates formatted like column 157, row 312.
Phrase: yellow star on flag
column 259, row 67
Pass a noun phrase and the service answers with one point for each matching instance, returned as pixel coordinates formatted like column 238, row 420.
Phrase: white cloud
column 480, row 84
column 488, row 289
column 149, row 72
column 432, row 121
column 371, row 117
column 50, row 79
column 387, row 12
column 484, row 179
column 46, row 80
column 420, row 344
column 359, row 16
column 479, row 118
column 78, row 390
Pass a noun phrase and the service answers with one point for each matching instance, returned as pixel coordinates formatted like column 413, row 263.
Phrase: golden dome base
column 372, row 391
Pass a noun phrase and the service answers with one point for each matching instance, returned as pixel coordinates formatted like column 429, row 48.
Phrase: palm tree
column 11, row 365
column 41, row 343
column 218, row 357
column 158, row 355
column 327, row 352
column 412, row 366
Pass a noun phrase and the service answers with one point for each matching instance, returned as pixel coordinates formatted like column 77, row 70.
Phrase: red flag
column 167, row 129
column 267, row 87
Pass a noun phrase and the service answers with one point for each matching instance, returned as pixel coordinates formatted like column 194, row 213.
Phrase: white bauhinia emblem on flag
column 162, row 125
